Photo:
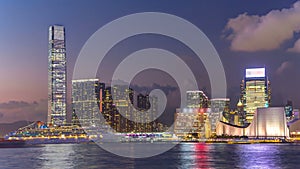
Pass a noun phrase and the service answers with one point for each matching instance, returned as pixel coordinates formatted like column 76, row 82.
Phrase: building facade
column 87, row 102
column 190, row 123
column 57, row 84
column 122, row 114
column 267, row 123
column 255, row 91
column 196, row 99
column 217, row 107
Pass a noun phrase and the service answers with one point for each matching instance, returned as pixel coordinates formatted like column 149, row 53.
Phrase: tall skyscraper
column 255, row 91
column 57, row 83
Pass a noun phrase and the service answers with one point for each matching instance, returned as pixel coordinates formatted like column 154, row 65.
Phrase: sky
column 245, row 34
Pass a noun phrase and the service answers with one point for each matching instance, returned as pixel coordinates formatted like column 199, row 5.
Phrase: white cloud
column 257, row 33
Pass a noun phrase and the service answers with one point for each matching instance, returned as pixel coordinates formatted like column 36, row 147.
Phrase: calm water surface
column 187, row 155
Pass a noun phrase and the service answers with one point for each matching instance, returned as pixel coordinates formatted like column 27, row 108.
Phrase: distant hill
column 9, row 127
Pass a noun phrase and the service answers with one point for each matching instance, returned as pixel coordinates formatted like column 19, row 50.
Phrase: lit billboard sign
column 255, row 72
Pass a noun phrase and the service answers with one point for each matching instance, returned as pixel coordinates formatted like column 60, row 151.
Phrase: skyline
column 24, row 83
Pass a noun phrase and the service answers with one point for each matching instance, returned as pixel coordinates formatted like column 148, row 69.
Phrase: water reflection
column 233, row 156
column 184, row 156
column 258, row 156
column 57, row 156
column 80, row 156
column 195, row 155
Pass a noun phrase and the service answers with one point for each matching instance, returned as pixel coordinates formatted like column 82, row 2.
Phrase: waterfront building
column 57, row 84
column 215, row 114
column 294, row 125
column 190, row 123
column 196, row 99
column 220, row 104
column 86, row 102
column 123, row 116
column 267, row 123
column 255, row 91
column 111, row 113
column 143, row 115
column 123, row 101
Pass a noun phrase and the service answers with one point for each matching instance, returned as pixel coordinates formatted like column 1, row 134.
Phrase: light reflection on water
column 183, row 156
column 195, row 155
column 80, row 156
column 58, row 156
column 259, row 156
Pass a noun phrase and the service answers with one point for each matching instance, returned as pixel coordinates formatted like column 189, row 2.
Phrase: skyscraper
column 217, row 107
column 87, row 101
column 190, row 122
column 57, row 84
column 255, row 91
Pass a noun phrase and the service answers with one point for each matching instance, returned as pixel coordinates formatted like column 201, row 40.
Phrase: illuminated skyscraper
column 57, row 85
column 217, row 107
column 87, row 101
column 255, row 91
column 191, row 121
column 220, row 104
column 123, row 98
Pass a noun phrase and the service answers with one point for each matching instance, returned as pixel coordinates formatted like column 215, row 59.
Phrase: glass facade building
column 87, row 101
column 57, row 84
column 190, row 123
column 217, row 107
column 255, row 91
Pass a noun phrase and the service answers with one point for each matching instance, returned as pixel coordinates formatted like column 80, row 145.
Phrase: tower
column 57, row 84
column 255, row 91
column 87, row 101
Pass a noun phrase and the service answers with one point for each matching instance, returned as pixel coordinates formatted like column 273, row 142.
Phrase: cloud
column 260, row 33
column 14, row 104
column 296, row 47
column 20, row 110
column 283, row 67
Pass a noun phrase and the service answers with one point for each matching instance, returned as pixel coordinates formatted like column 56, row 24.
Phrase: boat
column 38, row 133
